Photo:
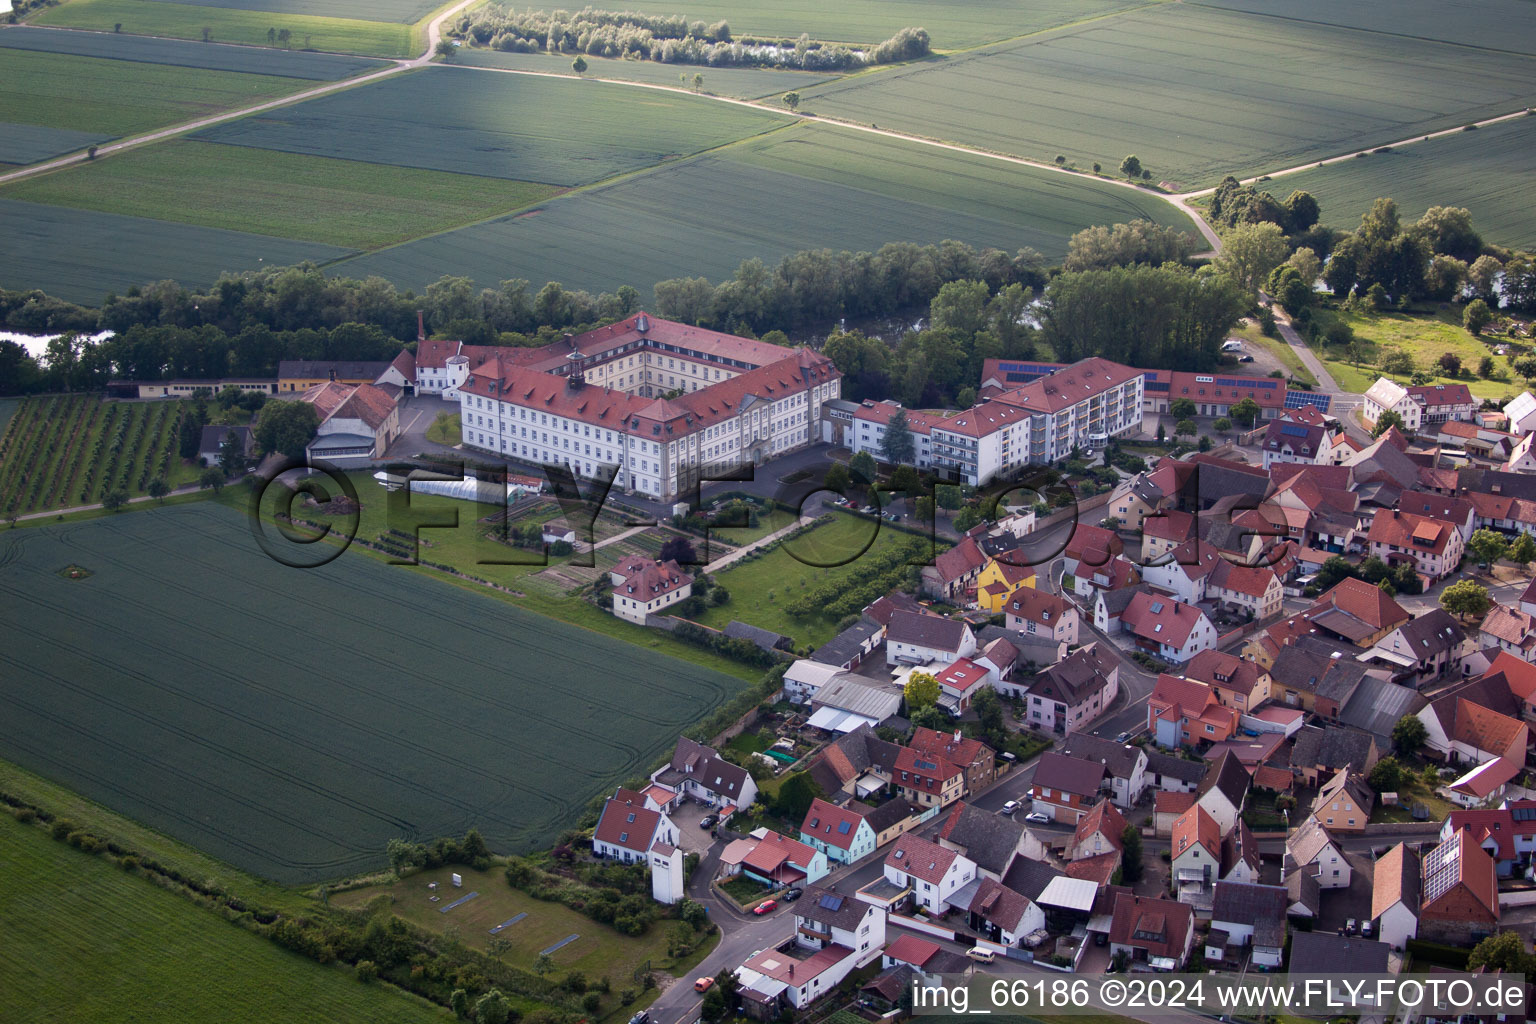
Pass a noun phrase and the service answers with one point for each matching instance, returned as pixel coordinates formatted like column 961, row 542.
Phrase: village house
column 1098, row 833
column 1507, row 833
column 1065, row 788
column 1124, row 765
column 1311, row 849
column 777, row 860
column 917, row 638
column 858, row 764
column 954, row 572
column 1460, row 902
column 1089, row 550
column 1169, row 629
column 834, row 935
column 1284, row 441
column 1238, row 684
column 991, row 841
column 1245, row 914
column 1343, row 804
column 932, row 874
column 1465, row 731
column 1224, row 791
column 839, row 832
column 699, row 772
column 1432, row 547
column 1036, row 613
column 1512, row 630
column 1167, row 807
column 1000, row 578
column 1316, row 753
column 973, row 757
column 1185, row 712
column 1070, row 695
column 650, row 588
column 1196, row 850
column 628, row 828
column 998, row 914
column 1157, row 932
column 1168, row 773
column 1395, row 890
column 1424, row 648
column 927, row 780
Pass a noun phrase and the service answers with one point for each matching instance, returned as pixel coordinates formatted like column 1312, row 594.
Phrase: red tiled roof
column 881, row 412
column 1070, row 385
column 1099, row 869
column 653, row 580
column 1166, row 802
column 826, row 822
column 1103, row 818
column 625, row 822
column 1169, row 524
column 912, row 950
column 963, row 751
column 1093, row 545
column 1161, row 927
column 965, row 557
column 773, row 851
column 1484, row 729
column 917, row 770
column 1161, row 619
column 922, row 859
column 1196, row 827
column 1269, row 777
column 1038, row 606
column 1367, row 603
column 1409, row 531
column 1432, row 395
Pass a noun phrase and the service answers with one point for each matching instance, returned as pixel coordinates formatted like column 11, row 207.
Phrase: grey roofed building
column 988, row 839
column 1030, row 877
column 834, row 909
column 850, row 646
column 1118, row 759
column 1377, row 704
column 1068, row 774
column 1229, row 777
column 1263, row 905
column 1031, row 650
column 1160, row 763
column 921, row 629
column 1497, row 481
column 1332, row 748
column 1213, row 481
column 767, row 639
column 1076, row 678
column 864, row 697
column 335, row 369
column 1115, row 601
column 850, row 756
column 211, row 441
column 1302, row 892
column 1433, row 633
column 1327, row 953
column 891, row 812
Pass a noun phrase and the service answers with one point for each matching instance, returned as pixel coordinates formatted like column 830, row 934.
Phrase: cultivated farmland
column 804, row 187
column 231, row 25
column 1487, row 171
column 505, row 126
column 1196, row 92
column 29, row 143
column 319, row 713
column 116, row 97
column 61, row 452
column 86, row 941
column 952, row 23
column 1485, row 24
column 742, row 83
column 183, row 53
column 81, row 255
column 405, row 11
column 341, row 202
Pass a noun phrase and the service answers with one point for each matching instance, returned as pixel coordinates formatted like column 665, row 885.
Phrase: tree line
column 669, row 39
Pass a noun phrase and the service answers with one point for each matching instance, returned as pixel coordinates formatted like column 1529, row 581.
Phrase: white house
column 1385, row 396
column 1172, row 630
column 1311, row 849
column 1125, row 765
column 1521, row 413
column 650, row 588
column 698, row 771
column 1251, row 915
column 834, row 935
column 1000, row 914
column 667, row 873
column 839, row 832
column 358, row 422
column 1395, row 890
column 933, row 873
column 1036, row 613
column 917, row 638
column 628, row 829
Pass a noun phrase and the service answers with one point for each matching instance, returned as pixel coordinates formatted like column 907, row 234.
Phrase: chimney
column 421, row 326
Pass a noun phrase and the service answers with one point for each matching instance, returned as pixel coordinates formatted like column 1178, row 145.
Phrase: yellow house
column 998, row 581
column 299, row 375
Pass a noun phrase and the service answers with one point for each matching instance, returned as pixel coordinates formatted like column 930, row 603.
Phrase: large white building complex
column 1078, row 406
column 597, row 400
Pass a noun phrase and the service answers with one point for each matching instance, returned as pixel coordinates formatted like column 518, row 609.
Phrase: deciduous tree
column 1465, row 599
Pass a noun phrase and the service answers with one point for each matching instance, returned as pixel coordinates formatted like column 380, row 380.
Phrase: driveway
column 692, row 838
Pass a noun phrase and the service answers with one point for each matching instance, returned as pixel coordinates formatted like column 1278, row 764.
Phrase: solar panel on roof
column 1523, row 813
column 1292, row 430
column 831, row 901
column 843, row 828
column 1301, row 399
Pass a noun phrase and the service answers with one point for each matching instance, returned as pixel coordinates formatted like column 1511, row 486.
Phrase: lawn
column 952, row 23
column 1180, row 86
column 85, row 941
column 742, row 83
column 1484, row 170
column 446, row 429
column 803, row 187
column 519, row 127
column 185, row 53
column 318, row 713
column 61, row 452
column 761, row 586
column 600, row 951
column 289, row 195
column 118, row 97
column 1414, row 792
column 233, row 25
column 81, row 255
column 1425, row 336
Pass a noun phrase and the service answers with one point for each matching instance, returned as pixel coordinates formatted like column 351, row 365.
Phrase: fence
column 925, row 927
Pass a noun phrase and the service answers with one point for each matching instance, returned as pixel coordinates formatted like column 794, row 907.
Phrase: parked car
column 703, row 984
column 1365, row 929
column 792, row 894
column 1037, row 818
column 1245, row 359
column 640, row 1018
column 766, row 907
column 1122, row 737
column 1010, row 807
column 1349, row 927
column 709, row 821
column 981, row 956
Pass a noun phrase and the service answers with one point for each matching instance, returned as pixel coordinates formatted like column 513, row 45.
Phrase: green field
column 81, row 255
column 118, row 97
column 760, row 587
column 1485, row 24
column 85, row 941
column 340, row 202
column 318, row 67
column 1487, row 171
column 809, row 186
column 952, row 23
column 742, row 83
column 291, row 721
column 503, row 126
column 406, row 11
column 232, row 25
column 29, row 143
column 1425, row 337
column 1195, row 92
column 62, row 452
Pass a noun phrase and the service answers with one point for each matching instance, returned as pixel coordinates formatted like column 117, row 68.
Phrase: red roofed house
column 1482, row 784
column 1065, row 787
column 1460, row 902
column 357, row 422
column 1238, row 684
column 953, row 571
column 839, row 832
column 1507, row 834
column 1089, row 549
column 627, row 829
column 780, row 860
column 960, row 681
column 1185, row 712
column 1196, row 852
column 1167, row 806
column 1433, row 547
column 1036, row 613
column 1169, row 629
column 833, row 935
column 1099, row 833
column 649, row 588
column 1465, row 732
column 973, row 757
column 1156, row 932
column 933, row 873
column 1442, row 402
column 928, row 780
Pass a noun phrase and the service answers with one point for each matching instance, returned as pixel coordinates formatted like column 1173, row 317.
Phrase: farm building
column 357, row 422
